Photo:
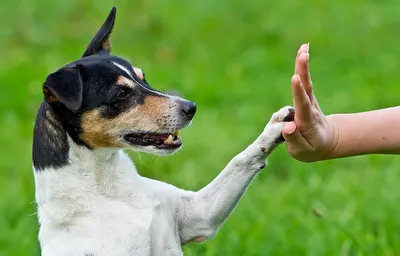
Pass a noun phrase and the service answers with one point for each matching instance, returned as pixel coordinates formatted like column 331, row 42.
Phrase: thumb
column 293, row 136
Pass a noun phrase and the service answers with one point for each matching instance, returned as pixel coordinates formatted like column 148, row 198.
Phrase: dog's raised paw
column 285, row 114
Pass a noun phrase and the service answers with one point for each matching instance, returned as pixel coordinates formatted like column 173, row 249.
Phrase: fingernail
column 308, row 47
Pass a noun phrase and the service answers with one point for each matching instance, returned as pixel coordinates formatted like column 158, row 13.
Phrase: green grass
column 235, row 60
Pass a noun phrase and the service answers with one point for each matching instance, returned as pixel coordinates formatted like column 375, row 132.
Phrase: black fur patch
column 100, row 44
column 117, row 105
column 66, row 86
column 50, row 145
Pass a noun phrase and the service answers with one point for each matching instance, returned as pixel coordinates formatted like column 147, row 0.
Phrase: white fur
column 99, row 205
column 123, row 69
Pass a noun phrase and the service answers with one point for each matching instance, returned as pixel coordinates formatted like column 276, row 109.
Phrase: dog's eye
column 123, row 93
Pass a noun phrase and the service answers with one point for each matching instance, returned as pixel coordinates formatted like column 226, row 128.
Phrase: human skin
column 312, row 136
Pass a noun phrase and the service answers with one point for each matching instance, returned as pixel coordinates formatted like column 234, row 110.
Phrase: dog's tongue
column 163, row 137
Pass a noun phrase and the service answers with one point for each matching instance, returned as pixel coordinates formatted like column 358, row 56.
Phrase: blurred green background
column 235, row 60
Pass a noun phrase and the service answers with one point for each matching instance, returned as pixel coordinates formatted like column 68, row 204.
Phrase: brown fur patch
column 98, row 131
column 49, row 96
column 121, row 80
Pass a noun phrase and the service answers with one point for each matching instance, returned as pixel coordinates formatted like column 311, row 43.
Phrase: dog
column 91, row 200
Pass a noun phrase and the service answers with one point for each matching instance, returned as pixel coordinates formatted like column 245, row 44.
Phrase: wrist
column 333, row 138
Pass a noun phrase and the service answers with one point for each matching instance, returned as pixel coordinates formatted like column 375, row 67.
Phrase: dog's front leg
column 201, row 213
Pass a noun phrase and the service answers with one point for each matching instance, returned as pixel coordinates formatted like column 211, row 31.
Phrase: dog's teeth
column 169, row 140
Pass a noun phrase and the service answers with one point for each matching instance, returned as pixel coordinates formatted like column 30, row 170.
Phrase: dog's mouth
column 158, row 140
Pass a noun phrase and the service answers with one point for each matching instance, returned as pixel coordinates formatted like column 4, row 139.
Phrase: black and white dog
column 91, row 200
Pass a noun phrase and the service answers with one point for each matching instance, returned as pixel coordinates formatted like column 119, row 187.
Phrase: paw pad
column 290, row 116
column 285, row 114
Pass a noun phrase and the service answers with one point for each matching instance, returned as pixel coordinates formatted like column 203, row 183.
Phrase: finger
column 303, row 49
column 293, row 137
column 304, row 73
column 289, row 129
column 301, row 102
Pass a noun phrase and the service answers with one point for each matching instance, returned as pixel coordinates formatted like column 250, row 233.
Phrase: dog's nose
column 189, row 108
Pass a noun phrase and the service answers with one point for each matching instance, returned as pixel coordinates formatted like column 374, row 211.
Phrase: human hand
column 312, row 136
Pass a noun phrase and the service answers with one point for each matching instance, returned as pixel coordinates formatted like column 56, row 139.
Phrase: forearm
column 373, row 132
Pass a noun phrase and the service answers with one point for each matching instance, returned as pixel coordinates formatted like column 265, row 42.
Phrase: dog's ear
column 65, row 86
column 100, row 43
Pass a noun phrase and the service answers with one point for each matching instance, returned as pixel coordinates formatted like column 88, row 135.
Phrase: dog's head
column 102, row 101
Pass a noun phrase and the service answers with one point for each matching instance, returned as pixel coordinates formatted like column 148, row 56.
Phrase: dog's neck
column 66, row 172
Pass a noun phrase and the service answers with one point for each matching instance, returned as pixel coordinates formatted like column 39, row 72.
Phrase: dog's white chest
column 111, row 213
column 117, row 229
